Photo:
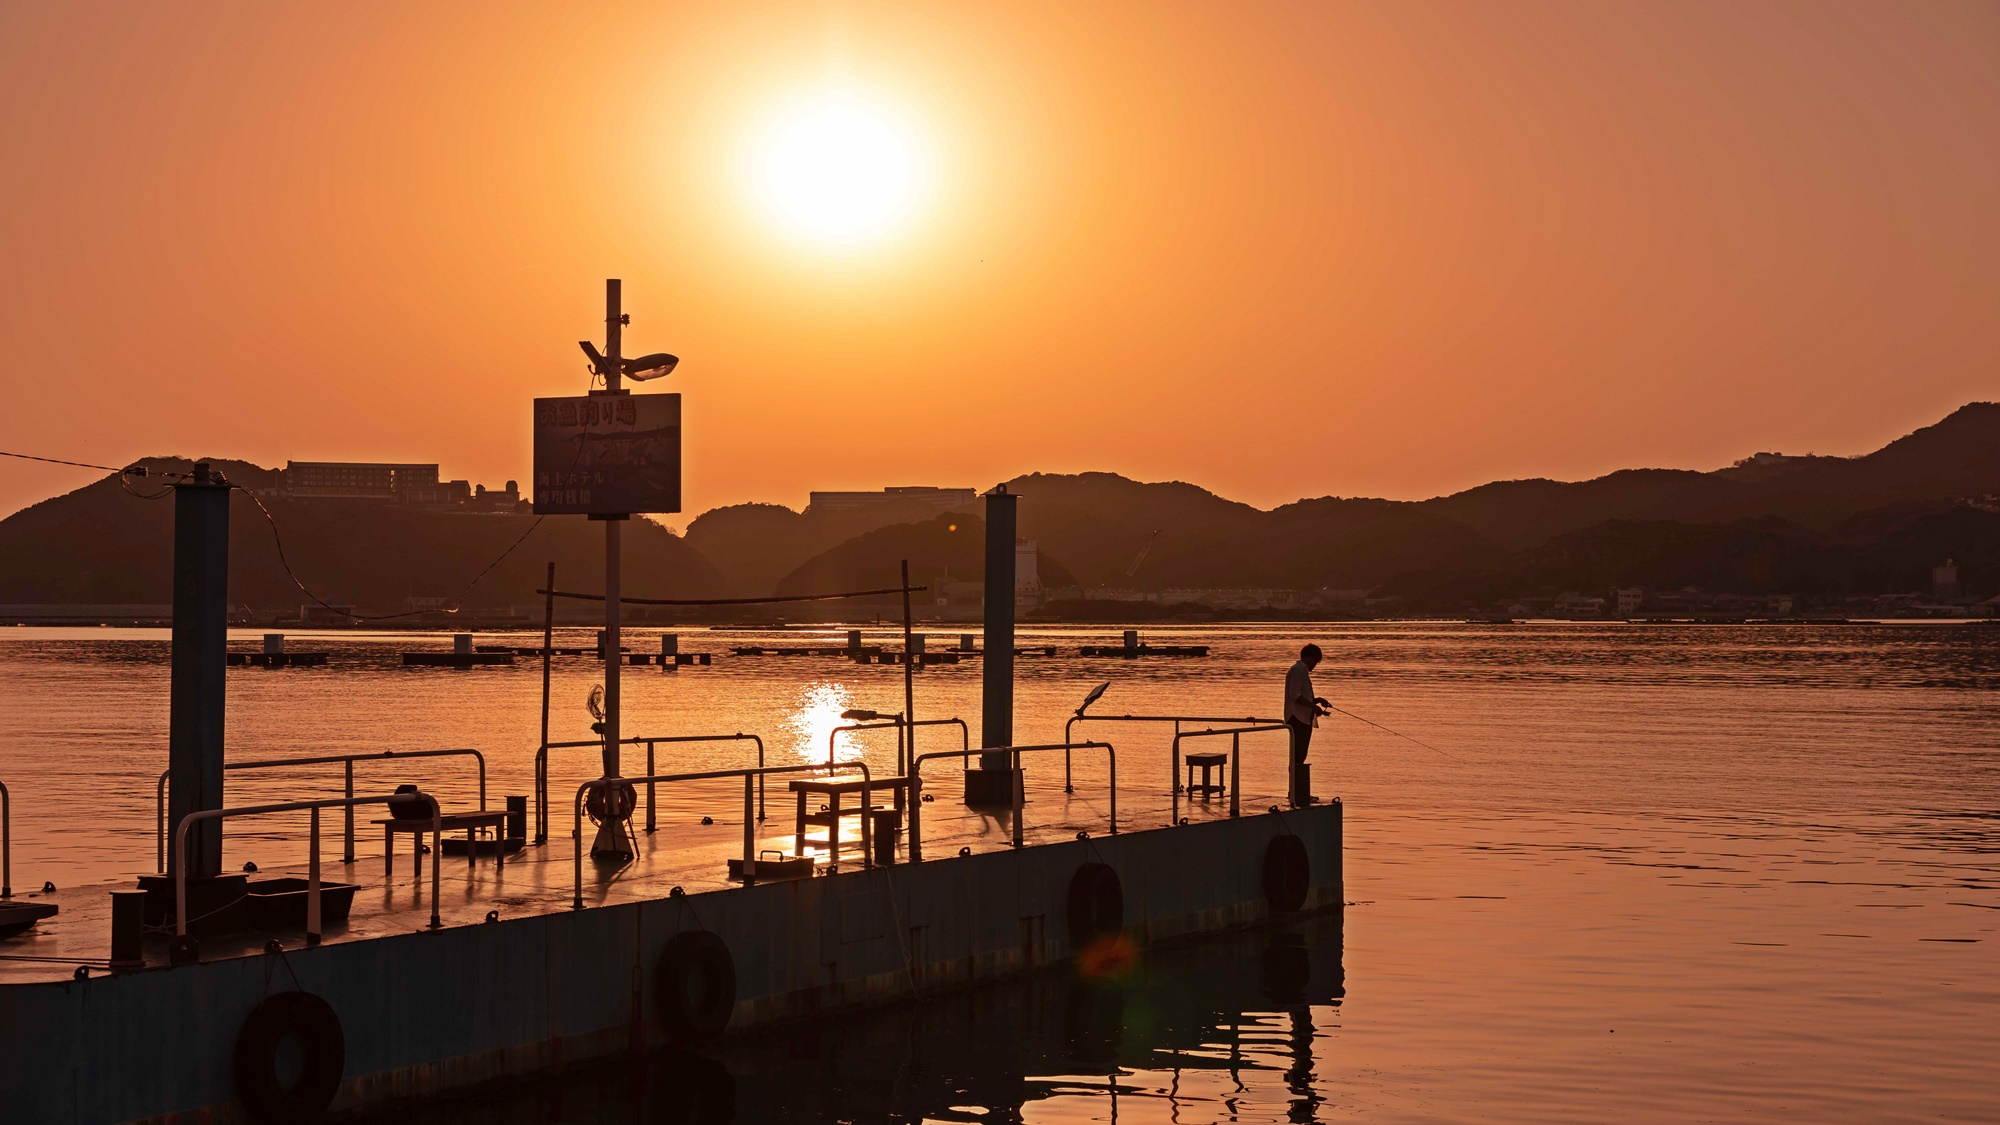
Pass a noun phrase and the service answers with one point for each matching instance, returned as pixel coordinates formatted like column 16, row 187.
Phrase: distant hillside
column 755, row 545
column 100, row 544
column 952, row 545
column 1797, row 524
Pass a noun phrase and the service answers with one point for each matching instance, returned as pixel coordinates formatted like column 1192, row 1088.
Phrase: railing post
column 1236, row 774
column 1020, row 798
column 1069, row 736
column 347, row 854
column 916, row 811
column 750, row 836
column 1174, row 817
column 1112, row 756
column 312, row 878
column 437, row 858
column 160, row 816
column 576, row 838
column 651, row 790
column 6, row 844
column 759, row 739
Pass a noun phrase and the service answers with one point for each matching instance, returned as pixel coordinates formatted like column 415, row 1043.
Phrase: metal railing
column 1177, row 720
column 902, row 762
column 650, row 741
column 6, row 843
column 312, row 869
column 1020, row 797
column 749, row 822
column 1235, row 763
column 347, row 760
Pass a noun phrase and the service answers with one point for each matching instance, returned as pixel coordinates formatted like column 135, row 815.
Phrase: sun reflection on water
column 813, row 718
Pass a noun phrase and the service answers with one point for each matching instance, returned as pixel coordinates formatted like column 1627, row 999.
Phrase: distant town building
column 357, row 480
column 415, row 485
column 915, row 496
column 1627, row 599
column 1944, row 580
column 1027, row 574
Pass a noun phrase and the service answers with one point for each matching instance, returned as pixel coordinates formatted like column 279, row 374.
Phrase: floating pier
column 462, row 655
column 274, row 655
column 417, row 1014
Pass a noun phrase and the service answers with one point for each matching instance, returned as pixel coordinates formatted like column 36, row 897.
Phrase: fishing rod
column 1397, row 733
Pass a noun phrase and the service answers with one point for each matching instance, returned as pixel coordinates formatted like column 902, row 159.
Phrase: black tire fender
column 313, row 1032
column 1096, row 907
column 1287, row 873
column 694, row 987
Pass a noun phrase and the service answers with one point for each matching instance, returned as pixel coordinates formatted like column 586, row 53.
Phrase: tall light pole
column 613, row 838
column 607, row 455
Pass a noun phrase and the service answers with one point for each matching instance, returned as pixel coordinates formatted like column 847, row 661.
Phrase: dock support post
column 199, row 677
column 996, row 782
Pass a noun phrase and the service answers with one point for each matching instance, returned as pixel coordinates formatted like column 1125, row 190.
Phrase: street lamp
column 863, row 715
column 1096, row 694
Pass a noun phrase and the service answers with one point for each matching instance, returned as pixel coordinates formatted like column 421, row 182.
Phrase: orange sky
column 1277, row 250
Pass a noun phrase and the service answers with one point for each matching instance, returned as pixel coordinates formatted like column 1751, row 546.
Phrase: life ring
column 1096, row 904
column 1287, row 873
column 290, row 1057
column 695, row 986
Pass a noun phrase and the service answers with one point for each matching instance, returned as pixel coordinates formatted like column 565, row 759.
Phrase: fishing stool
column 1209, row 763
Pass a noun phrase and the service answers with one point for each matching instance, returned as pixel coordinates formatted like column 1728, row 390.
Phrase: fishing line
column 1397, row 733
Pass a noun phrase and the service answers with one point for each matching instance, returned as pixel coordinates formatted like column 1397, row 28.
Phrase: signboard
column 608, row 455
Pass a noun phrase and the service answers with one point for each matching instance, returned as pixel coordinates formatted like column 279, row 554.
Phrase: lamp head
column 649, row 366
column 1096, row 694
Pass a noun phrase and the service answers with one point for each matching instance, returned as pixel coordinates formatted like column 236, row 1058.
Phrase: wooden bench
column 833, row 789
column 474, row 824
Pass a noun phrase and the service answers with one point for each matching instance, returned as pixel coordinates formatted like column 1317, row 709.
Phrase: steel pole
column 905, row 752
column 542, row 754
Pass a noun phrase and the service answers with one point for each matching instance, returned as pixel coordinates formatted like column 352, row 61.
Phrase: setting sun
column 838, row 169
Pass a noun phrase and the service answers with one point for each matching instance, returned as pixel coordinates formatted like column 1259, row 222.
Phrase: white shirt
column 1299, row 685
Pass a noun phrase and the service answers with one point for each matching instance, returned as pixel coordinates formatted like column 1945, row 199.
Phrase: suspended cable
column 284, row 562
column 135, row 470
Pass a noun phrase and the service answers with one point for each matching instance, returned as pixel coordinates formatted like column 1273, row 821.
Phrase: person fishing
column 1302, row 712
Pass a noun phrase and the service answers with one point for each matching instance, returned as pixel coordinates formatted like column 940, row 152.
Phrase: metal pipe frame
column 1020, row 797
column 312, row 889
column 749, row 830
column 1070, row 733
column 964, row 736
column 6, row 843
column 542, row 770
column 1235, row 763
column 348, row 760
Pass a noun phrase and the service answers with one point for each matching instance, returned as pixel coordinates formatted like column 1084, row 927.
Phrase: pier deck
column 541, row 880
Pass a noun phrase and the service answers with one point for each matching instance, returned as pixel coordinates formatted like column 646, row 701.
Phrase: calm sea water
column 1707, row 873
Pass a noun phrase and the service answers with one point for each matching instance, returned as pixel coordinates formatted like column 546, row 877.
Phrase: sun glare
column 839, row 169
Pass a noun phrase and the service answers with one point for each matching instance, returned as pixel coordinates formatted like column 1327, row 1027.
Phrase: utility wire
column 136, row 470
column 307, row 591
